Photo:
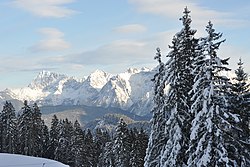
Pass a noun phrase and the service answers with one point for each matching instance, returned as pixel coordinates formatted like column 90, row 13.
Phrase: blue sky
column 76, row 37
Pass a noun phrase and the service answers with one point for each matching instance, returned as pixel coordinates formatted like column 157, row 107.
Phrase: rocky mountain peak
column 44, row 79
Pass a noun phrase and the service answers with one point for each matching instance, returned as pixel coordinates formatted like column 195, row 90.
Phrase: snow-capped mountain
column 130, row 90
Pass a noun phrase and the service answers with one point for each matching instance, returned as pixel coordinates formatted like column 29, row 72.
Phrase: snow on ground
column 14, row 160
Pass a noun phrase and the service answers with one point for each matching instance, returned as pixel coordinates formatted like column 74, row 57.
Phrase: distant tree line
column 66, row 142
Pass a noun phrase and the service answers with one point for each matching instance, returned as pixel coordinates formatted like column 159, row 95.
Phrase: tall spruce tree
column 63, row 152
column 210, row 133
column 45, row 140
column 25, row 137
column 139, row 141
column 8, row 128
column 122, row 145
column 53, row 137
column 239, row 104
column 89, row 150
column 157, row 137
column 78, row 144
column 37, row 131
column 178, row 102
column 100, row 139
column 107, row 158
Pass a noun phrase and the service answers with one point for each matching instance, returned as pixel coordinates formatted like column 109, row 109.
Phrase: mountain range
column 130, row 91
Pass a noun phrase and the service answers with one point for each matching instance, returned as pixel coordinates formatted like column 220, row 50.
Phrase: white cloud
column 46, row 8
column 131, row 28
column 201, row 15
column 121, row 54
column 53, row 41
column 21, row 63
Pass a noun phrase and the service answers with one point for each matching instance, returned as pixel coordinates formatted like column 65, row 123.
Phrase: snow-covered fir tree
column 37, row 131
column 89, row 150
column 25, row 137
column 100, row 139
column 239, row 104
column 8, row 128
column 53, row 137
column 78, row 144
column 63, row 152
column 139, row 141
column 45, row 140
column 210, row 139
column 107, row 158
column 178, row 102
column 122, row 145
column 157, row 137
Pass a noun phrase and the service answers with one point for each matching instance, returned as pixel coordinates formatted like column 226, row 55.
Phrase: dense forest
column 66, row 142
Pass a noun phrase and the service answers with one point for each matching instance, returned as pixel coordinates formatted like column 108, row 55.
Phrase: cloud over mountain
column 53, row 41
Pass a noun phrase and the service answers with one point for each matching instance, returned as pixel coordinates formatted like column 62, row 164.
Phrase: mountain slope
column 130, row 90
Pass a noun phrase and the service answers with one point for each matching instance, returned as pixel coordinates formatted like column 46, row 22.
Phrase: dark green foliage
column 53, row 137
column 107, row 158
column 25, row 131
column 30, row 127
column 37, row 131
column 89, row 150
column 139, row 142
column 158, row 135
column 100, row 139
column 78, row 146
column 239, row 105
column 45, row 141
column 122, row 145
column 8, row 128
column 177, row 105
column 63, row 152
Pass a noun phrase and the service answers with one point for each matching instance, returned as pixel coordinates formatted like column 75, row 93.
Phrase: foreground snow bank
column 26, row 161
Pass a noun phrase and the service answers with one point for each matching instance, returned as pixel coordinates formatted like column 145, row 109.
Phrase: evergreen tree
column 63, row 152
column 25, row 137
column 107, row 158
column 210, row 132
column 89, row 150
column 178, row 102
column 100, row 139
column 8, row 128
column 37, row 131
column 45, row 140
column 122, row 145
column 78, row 145
column 157, row 136
column 138, row 148
column 53, row 137
column 239, row 104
